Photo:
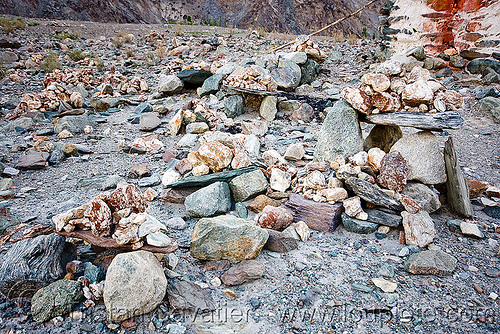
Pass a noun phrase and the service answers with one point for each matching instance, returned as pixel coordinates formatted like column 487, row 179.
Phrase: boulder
column 31, row 264
column 170, row 84
column 248, row 185
column 214, row 199
column 135, row 284
column 340, row 133
column 423, row 154
column 227, row 238
column 55, row 299
column 74, row 124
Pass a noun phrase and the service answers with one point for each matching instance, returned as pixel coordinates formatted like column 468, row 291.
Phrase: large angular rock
column 423, row 154
column 211, row 85
column 245, row 271
column 357, row 98
column 227, row 238
column 34, row 160
column 214, row 199
column 419, row 228
column 55, row 299
column 340, row 133
column 431, row 262
column 372, row 194
column 248, row 185
column 170, row 84
column 423, row 195
column 149, row 121
column 31, row 264
column 233, row 106
column 74, row 124
column 393, row 172
column 135, row 284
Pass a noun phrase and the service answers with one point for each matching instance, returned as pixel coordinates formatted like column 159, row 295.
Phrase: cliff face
column 296, row 16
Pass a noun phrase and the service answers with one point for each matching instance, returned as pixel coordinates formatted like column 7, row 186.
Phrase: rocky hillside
column 297, row 16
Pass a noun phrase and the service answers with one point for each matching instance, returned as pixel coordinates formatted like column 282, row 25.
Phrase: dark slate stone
column 358, row 226
column 194, row 77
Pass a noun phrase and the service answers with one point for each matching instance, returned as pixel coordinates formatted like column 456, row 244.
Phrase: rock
column 175, row 122
column 339, row 135
column 135, row 284
column 248, row 185
column 480, row 64
column 268, row 108
column 5, row 184
column 170, row 85
column 149, row 121
column 431, row 262
column 457, row 191
column 286, row 78
column 295, row 152
column 127, row 196
column 492, row 211
column 279, row 243
column 24, row 123
column 280, row 180
column 419, row 228
column 31, row 264
column 418, row 52
column 385, row 102
column 491, row 105
column 192, row 77
column 211, row 85
column 358, row 99
column 423, row 195
column 471, row 229
column 176, row 223
column 254, row 127
column 335, row 194
column 378, row 81
column 384, row 218
column 243, row 272
column 34, row 160
column 56, row 157
column 197, row 127
column 102, row 182
column 74, row 124
column 260, row 202
column 476, row 188
column 393, row 172
column 422, row 152
column 55, row 299
column 227, row 238
column 158, row 239
column 309, row 72
column 298, row 58
column 352, row 206
column 100, row 217
column 233, row 105
column 375, row 157
column 457, row 61
column 416, row 93
column 358, row 226
column 212, row 200
column 93, row 273
column 64, row 134
column 385, row 285
column 383, row 137
column 139, row 171
column 372, row 194
column 304, row 113
column 184, row 295
column 204, row 180
column 215, row 155
column 274, row 218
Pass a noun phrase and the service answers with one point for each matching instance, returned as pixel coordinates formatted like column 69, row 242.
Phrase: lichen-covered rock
column 55, row 299
column 393, row 172
column 275, row 218
column 135, row 284
column 127, row 196
column 419, row 228
column 227, row 238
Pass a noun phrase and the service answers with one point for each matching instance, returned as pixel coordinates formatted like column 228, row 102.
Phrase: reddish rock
column 167, row 156
column 260, row 202
column 184, row 166
column 393, row 172
column 128, row 196
column 101, row 219
column 452, row 99
column 409, row 203
column 139, row 171
column 275, row 218
column 357, row 99
column 385, row 102
column 476, row 188
column 243, row 272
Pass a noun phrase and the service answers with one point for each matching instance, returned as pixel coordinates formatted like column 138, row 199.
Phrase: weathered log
column 425, row 121
column 323, row 217
column 204, row 180
column 368, row 192
column 458, row 192
column 110, row 243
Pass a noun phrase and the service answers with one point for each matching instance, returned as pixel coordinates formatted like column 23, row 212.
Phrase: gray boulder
column 214, row 199
column 56, row 299
column 73, row 124
column 248, row 185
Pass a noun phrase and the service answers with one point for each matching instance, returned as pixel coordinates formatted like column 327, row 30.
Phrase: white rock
column 302, row 230
column 385, row 285
column 170, row 176
column 280, row 180
column 471, row 229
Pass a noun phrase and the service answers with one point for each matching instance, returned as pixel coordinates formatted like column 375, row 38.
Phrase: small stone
column 275, row 218
column 248, row 185
column 93, row 273
column 385, row 285
column 417, row 93
column 176, row 223
column 243, row 272
column 139, row 171
column 64, row 134
column 358, row 226
column 233, row 105
column 260, row 202
column 268, row 108
column 375, row 157
column 423, row 195
column 419, row 228
column 471, row 229
column 215, row 155
column 212, row 200
column 431, row 262
column 335, row 194
column 254, row 127
column 149, row 121
column 170, row 84
column 352, row 206
column 55, row 299
column 302, row 230
column 279, row 243
column 295, row 152
column 34, row 160
column 200, row 170
column 280, row 180
column 393, row 172
column 379, row 82
column 158, row 239
column 197, row 127
column 170, row 176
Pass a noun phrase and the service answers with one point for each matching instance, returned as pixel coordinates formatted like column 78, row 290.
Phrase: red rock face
column 128, row 196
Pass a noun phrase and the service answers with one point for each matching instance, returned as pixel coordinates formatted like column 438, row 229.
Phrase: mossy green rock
column 55, row 299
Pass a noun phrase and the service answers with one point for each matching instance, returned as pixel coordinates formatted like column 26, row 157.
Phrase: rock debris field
column 185, row 179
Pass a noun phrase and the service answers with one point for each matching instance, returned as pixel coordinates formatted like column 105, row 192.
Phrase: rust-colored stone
column 393, row 172
column 128, row 196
